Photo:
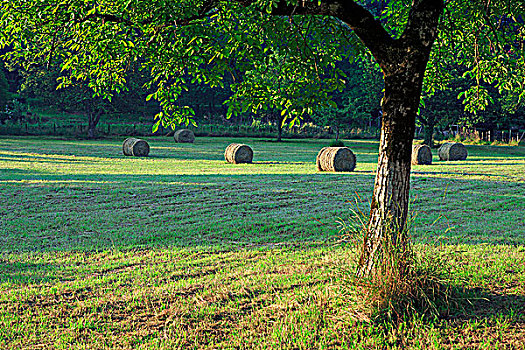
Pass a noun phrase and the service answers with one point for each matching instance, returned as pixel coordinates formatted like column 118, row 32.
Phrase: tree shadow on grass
column 485, row 319
column 478, row 304
column 43, row 159
column 22, row 273
column 277, row 162
column 475, row 162
column 460, row 174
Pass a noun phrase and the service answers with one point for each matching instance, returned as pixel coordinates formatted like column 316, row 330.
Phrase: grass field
column 181, row 250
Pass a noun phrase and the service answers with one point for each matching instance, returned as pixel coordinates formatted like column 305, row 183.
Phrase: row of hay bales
column 328, row 159
column 140, row 148
column 449, row 151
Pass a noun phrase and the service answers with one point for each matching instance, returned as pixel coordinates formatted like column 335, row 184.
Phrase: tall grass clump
column 405, row 283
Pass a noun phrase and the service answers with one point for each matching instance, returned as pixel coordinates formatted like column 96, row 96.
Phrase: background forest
column 32, row 104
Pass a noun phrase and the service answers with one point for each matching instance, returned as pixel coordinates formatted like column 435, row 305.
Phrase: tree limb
column 360, row 20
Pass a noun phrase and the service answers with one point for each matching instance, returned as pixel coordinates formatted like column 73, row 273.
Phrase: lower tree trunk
column 389, row 207
column 92, row 127
column 337, row 133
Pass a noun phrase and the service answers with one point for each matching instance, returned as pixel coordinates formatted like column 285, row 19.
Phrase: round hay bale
column 184, row 136
column 135, row 147
column 335, row 159
column 452, row 151
column 237, row 153
column 421, row 155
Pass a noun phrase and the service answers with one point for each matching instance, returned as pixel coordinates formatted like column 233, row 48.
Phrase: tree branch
column 361, row 21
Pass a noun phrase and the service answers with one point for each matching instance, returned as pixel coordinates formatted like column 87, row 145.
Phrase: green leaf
column 155, row 127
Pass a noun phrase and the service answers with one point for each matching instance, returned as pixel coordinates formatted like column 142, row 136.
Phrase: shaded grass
column 181, row 250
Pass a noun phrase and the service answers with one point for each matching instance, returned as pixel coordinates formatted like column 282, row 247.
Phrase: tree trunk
column 428, row 131
column 280, row 120
column 93, row 119
column 389, row 209
column 403, row 62
column 337, row 133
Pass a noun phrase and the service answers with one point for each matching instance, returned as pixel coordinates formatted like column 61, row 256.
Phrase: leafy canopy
column 183, row 41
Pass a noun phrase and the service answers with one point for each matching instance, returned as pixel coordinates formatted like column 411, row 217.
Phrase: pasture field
column 182, row 250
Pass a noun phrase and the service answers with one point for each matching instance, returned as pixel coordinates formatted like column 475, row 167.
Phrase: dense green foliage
column 358, row 104
column 208, row 43
column 199, row 56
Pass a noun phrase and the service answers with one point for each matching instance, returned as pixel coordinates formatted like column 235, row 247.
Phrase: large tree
column 202, row 40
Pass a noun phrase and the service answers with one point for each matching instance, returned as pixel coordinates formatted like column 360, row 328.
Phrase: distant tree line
column 356, row 106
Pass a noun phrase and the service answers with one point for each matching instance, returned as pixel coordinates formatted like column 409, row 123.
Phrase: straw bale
column 335, row 159
column 421, row 155
column 135, row 147
column 452, row 151
column 184, row 136
column 237, row 153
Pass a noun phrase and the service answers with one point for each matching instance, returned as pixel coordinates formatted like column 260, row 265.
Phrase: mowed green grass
column 182, row 250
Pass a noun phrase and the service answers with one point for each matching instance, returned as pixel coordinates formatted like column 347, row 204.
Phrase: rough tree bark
column 403, row 63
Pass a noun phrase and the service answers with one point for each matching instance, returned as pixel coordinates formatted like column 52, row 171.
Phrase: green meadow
column 182, row 250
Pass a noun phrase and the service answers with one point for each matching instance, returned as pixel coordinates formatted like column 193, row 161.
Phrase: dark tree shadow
column 478, row 304
column 22, row 273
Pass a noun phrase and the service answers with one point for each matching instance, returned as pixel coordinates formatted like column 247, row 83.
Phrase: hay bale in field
column 335, row 159
column 421, row 155
column 452, row 151
column 184, row 136
column 237, row 153
column 135, row 147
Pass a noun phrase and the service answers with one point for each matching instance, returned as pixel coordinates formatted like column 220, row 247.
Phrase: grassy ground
column 181, row 250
